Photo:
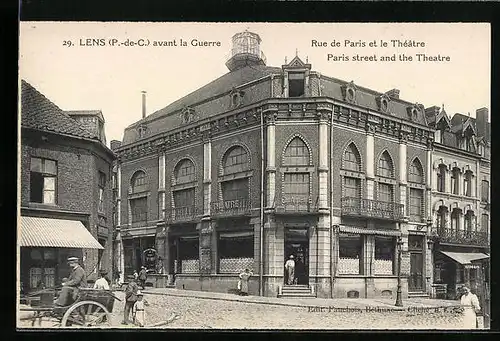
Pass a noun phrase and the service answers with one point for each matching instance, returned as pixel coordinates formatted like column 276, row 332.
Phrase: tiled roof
column 38, row 112
column 217, row 87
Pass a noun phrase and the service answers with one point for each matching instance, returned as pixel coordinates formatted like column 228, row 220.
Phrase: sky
column 66, row 62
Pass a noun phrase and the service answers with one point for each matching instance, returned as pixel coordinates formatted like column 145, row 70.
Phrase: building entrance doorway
column 416, row 249
column 297, row 245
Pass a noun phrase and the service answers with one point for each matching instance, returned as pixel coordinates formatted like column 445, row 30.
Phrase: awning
column 465, row 257
column 46, row 232
column 360, row 230
column 236, row 234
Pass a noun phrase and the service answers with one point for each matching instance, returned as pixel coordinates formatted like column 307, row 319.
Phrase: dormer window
column 296, row 84
column 236, row 98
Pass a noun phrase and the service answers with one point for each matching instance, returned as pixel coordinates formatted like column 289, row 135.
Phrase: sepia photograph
column 254, row 176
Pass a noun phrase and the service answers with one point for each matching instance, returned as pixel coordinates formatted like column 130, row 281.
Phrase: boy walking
column 130, row 298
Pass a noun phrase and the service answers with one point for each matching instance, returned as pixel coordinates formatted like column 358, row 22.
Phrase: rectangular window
column 235, row 189
column 454, row 220
column 352, row 187
column 296, row 189
column 441, row 179
column 296, row 84
column 384, row 255
column 385, row 192
column 235, row 253
column 350, row 254
column 139, row 209
column 102, row 186
column 485, row 191
column 416, row 203
column 43, row 178
column 485, row 221
column 184, row 198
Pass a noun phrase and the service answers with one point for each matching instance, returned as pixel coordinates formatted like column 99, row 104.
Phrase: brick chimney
column 143, row 104
column 394, row 93
column 115, row 144
column 481, row 121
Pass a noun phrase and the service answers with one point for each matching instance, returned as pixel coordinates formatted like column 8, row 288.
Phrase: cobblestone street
column 202, row 313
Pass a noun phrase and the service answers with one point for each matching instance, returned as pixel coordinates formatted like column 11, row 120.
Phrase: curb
column 242, row 300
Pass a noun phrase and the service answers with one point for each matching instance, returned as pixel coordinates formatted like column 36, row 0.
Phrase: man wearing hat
column 102, row 283
column 130, row 298
column 143, row 276
column 77, row 279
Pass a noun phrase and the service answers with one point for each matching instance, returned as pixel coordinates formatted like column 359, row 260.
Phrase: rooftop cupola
column 245, row 51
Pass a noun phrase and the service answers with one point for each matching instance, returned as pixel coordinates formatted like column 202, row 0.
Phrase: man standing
column 299, row 271
column 143, row 275
column 130, row 298
column 290, row 269
column 77, row 279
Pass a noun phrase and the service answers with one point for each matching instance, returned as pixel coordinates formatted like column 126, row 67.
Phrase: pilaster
column 323, row 160
column 161, row 184
column 271, row 159
column 207, row 175
column 370, row 161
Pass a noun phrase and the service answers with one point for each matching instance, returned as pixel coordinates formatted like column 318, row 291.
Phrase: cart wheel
column 86, row 314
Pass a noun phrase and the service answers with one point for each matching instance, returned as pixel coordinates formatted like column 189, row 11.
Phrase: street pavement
column 208, row 310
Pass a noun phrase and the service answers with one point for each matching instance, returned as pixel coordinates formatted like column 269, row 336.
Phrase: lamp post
column 399, row 301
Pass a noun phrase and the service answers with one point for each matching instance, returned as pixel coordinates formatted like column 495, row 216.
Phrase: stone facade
column 295, row 131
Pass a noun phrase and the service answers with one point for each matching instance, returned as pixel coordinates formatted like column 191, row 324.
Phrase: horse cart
column 91, row 308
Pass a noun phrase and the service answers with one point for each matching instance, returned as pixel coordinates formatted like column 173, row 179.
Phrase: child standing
column 138, row 310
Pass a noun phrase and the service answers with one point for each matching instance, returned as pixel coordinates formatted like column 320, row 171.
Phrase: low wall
column 369, row 287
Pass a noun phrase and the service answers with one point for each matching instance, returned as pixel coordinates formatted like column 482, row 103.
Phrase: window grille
column 296, row 153
column 352, row 160
column 385, row 167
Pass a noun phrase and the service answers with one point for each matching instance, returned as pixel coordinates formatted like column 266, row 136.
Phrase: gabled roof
column 460, row 123
column 38, row 112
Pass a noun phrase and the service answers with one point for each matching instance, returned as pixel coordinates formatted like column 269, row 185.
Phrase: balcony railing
column 297, row 205
column 228, row 208
column 182, row 214
column 372, row 209
column 462, row 237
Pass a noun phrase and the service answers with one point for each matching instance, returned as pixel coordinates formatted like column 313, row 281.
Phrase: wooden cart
column 92, row 308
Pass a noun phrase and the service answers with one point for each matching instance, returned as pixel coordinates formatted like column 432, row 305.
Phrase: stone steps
column 418, row 294
column 296, row 291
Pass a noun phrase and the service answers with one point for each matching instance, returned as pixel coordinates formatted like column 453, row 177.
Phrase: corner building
column 267, row 162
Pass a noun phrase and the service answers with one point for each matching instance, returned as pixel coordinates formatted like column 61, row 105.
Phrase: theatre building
column 66, row 197
column 267, row 162
column 460, row 202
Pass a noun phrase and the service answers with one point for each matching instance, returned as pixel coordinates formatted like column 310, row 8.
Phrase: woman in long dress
column 470, row 302
column 244, row 277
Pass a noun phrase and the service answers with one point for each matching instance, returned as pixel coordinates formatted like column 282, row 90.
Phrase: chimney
column 481, row 121
column 394, row 93
column 143, row 104
column 115, row 144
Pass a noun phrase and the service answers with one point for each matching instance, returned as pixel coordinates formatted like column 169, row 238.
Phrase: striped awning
column 465, row 258
column 361, row 230
column 46, row 232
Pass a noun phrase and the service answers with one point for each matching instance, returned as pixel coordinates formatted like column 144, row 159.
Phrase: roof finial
column 307, row 59
column 296, row 52
column 285, row 60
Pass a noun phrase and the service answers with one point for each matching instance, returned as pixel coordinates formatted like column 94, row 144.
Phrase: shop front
column 45, row 245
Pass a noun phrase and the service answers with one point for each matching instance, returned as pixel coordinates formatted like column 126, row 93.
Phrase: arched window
column 296, row 153
column 469, row 222
column 455, row 220
column 455, row 174
column 385, row 167
column 352, row 160
column 235, row 160
column 441, row 176
column 468, row 183
column 184, row 172
column 139, row 182
column 442, row 214
column 416, row 172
